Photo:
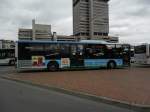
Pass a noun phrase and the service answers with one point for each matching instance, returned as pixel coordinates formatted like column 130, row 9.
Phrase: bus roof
column 67, row 42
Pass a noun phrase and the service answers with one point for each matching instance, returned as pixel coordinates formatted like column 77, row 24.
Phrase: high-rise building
column 90, row 18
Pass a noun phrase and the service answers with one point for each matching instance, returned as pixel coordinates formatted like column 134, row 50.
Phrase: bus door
column 77, row 56
column 126, row 54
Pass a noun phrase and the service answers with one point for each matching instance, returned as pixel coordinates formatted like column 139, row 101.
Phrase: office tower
column 90, row 18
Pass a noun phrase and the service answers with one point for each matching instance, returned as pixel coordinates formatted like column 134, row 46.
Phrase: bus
column 7, row 56
column 54, row 55
column 142, row 54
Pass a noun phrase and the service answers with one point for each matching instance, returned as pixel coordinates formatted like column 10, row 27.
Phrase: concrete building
column 90, row 19
column 38, row 31
column 41, row 31
column 7, row 44
column 65, row 38
column 25, row 34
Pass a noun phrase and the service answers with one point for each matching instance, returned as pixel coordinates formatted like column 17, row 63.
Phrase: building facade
column 38, row 31
column 65, row 38
column 90, row 18
column 25, row 34
column 41, row 31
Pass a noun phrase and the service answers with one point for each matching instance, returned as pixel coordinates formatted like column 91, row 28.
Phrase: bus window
column 80, row 50
column 52, row 51
column 110, row 51
column 64, row 50
column 110, row 46
column 2, row 54
column 73, row 50
column 118, row 52
column 35, row 50
column 77, row 50
column 95, row 51
column 24, row 52
column 140, row 49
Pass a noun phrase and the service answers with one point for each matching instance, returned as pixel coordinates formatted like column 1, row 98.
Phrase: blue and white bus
column 53, row 55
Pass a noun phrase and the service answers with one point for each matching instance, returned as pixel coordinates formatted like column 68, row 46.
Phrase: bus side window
column 65, row 48
column 118, row 52
column 114, row 51
column 80, row 50
column 140, row 49
column 76, row 50
column 88, row 52
column 52, row 51
column 1, row 55
column 73, row 49
column 95, row 51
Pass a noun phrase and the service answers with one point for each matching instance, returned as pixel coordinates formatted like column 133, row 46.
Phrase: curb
column 134, row 107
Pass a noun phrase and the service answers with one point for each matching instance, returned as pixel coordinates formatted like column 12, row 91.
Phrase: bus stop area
column 128, row 85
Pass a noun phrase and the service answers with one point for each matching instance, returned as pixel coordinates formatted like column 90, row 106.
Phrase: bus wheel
column 11, row 62
column 111, row 65
column 53, row 66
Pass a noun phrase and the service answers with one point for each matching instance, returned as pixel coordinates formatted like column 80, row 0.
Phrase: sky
column 129, row 19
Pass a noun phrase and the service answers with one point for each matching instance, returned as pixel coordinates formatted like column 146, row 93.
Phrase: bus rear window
column 140, row 49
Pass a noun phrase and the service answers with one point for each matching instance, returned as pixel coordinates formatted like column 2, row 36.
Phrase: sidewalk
column 127, row 85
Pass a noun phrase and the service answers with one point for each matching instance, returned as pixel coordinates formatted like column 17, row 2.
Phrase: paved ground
column 16, row 97
column 7, row 70
column 130, row 85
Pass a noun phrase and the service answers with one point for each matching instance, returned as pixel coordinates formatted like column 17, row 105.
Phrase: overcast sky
column 129, row 19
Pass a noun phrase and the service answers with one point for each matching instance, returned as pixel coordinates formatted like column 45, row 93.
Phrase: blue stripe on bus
column 87, row 63
column 101, row 62
column 93, row 62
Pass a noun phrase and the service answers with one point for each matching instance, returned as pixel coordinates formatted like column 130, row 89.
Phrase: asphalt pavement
column 6, row 69
column 18, row 97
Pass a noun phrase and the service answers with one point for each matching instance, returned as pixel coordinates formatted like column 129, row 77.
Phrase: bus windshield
column 140, row 49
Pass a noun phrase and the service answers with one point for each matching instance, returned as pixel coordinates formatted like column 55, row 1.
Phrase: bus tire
column 111, row 65
column 53, row 66
column 11, row 62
